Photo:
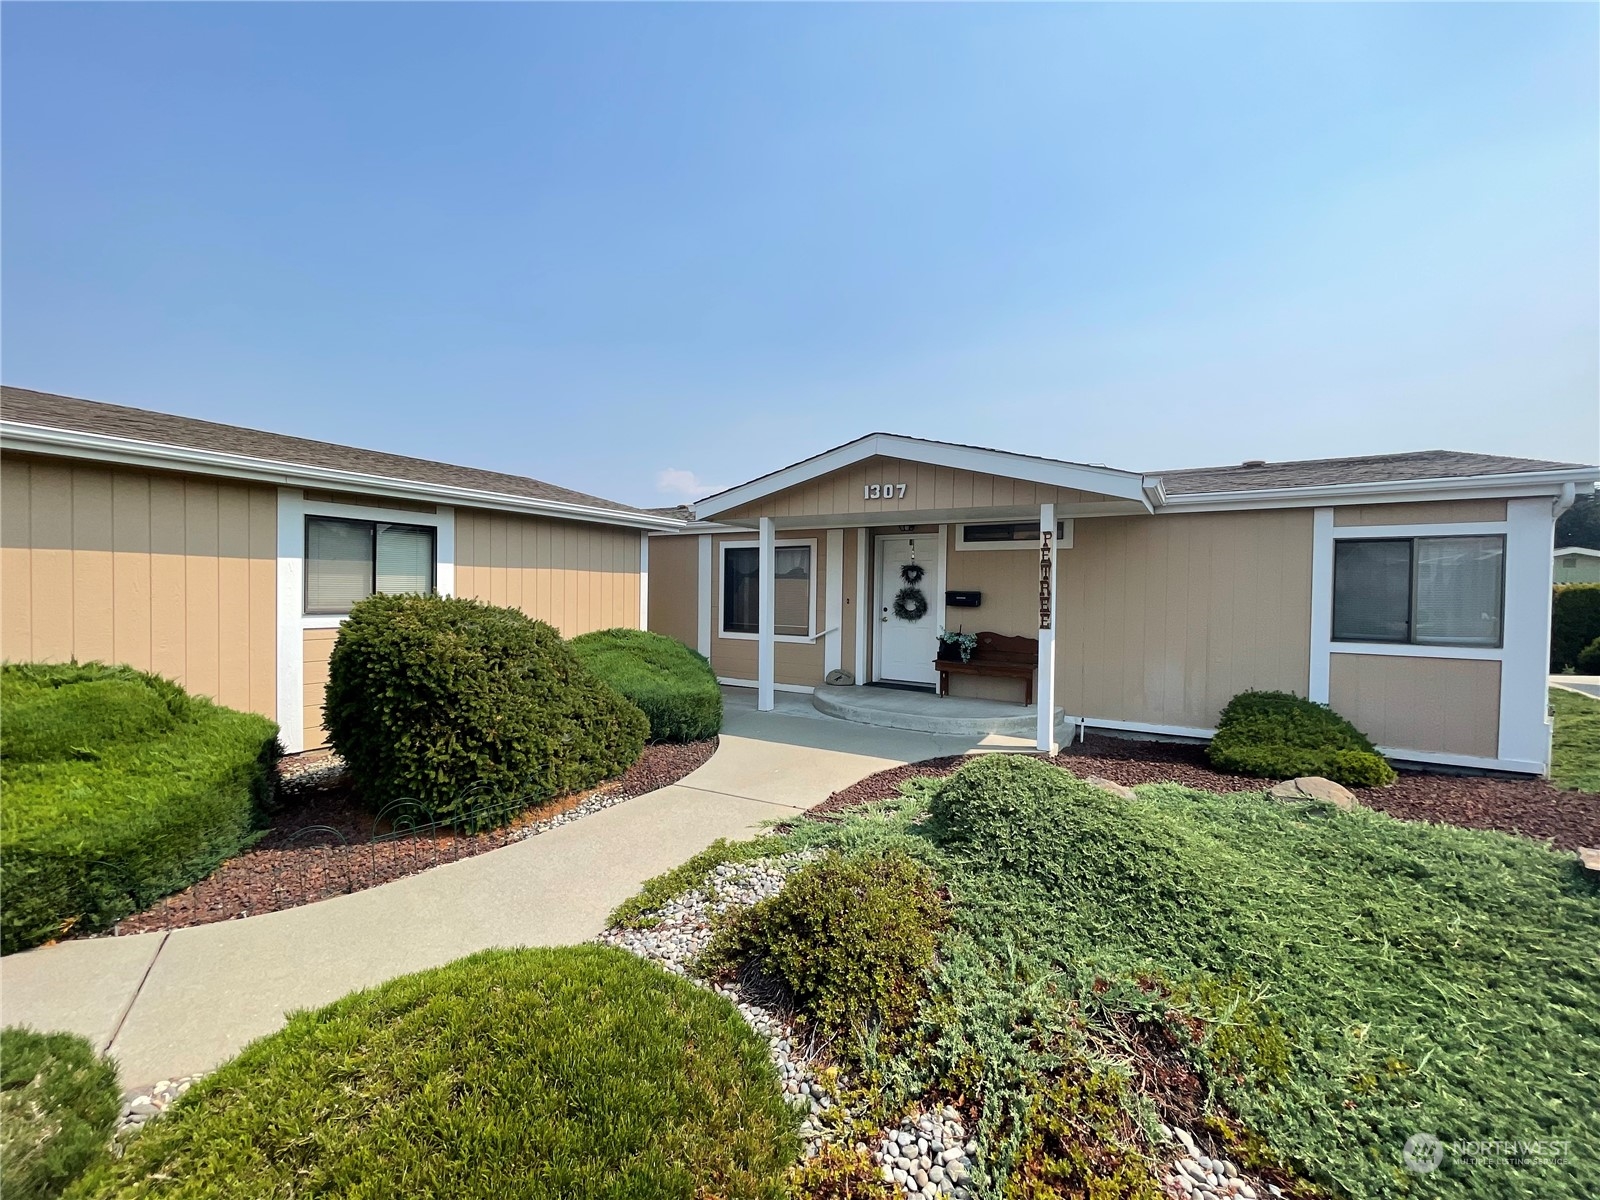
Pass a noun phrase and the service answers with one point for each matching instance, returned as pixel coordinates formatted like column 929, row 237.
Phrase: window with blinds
column 793, row 599
column 1427, row 591
column 347, row 561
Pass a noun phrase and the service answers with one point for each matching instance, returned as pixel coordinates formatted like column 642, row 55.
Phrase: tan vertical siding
column 317, row 645
column 167, row 573
column 1433, row 705
column 675, row 588
column 575, row 575
column 1421, row 512
column 793, row 662
column 1160, row 620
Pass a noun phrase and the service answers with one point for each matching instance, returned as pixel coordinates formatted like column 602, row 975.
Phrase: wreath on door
column 910, row 604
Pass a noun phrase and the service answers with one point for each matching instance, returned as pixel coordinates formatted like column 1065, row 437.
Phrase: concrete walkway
column 1584, row 685
column 170, row 1004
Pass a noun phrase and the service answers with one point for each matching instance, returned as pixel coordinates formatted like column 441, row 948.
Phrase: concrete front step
column 924, row 712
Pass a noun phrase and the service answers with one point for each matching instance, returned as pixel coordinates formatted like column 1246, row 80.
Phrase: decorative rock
column 1116, row 789
column 1315, row 787
column 1590, row 859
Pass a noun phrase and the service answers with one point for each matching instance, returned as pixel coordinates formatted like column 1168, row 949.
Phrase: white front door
column 907, row 644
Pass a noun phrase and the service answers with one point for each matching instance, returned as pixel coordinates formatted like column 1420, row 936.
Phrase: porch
column 925, row 712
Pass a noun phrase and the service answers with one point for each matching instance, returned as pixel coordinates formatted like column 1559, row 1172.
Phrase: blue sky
column 652, row 250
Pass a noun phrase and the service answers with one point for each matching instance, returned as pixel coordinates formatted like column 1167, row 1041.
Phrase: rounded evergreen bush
column 1589, row 659
column 117, row 789
column 672, row 685
column 1016, row 815
column 1574, row 622
column 1278, row 735
column 852, row 937
column 463, row 706
column 544, row 1073
column 58, row 1102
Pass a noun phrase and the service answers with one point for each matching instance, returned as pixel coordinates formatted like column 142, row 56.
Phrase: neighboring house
column 226, row 558
column 1577, row 564
column 1410, row 591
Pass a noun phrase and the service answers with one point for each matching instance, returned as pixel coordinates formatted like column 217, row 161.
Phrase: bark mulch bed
column 323, row 846
column 1531, row 807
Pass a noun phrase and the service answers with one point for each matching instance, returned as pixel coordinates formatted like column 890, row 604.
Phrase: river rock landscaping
column 1191, row 994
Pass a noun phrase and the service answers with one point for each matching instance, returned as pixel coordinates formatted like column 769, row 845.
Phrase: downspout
column 1568, row 497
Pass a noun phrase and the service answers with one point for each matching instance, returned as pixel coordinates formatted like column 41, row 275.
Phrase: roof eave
column 1106, row 481
column 42, row 439
column 1510, row 484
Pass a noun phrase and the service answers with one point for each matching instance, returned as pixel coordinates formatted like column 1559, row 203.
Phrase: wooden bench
column 995, row 654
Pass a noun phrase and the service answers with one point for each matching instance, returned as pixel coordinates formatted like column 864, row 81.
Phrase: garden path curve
column 180, row 1002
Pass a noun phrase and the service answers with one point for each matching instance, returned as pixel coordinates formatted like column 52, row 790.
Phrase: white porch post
column 1045, row 693
column 766, row 617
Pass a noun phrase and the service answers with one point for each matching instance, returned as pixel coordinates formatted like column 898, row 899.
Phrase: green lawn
column 1576, row 760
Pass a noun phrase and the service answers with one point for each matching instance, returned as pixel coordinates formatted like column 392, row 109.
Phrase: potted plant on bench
column 955, row 644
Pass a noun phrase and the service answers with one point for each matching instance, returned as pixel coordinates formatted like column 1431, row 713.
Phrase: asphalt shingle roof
column 116, row 420
column 1370, row 468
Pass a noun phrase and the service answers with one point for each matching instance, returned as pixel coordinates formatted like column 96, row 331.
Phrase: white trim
column 442, row 521
column 1525, row 628
column 1063, row 540
column 444, row 551
column 833, row 604
column 1044, row 696
column 66, row 443
column 940, row 580
column 803, row 688
column 1106, row 481
column 1560, row 550
column 290, row 605
column 863, row 605
column 703, row 587
column 766, row 609
column 1523, row 736
column 1378, row 533
column 1321, row 603
column 1467, row 487
column 812, row 634
column 644, row 581
column 1188, row 731
column 1416, row 650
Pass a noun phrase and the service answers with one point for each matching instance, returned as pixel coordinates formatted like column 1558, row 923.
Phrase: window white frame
column 1063, row 535
column 811, row 602
column 374, row 527
column 293, row 510
column 1376, row 534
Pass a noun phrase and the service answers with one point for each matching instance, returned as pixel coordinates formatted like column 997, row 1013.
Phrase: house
column 1410, row 591
column 226, row 558
column 1577, row 564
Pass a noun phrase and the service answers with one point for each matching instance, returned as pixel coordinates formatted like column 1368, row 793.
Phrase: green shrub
column 1017, row 815
column 851, row 937
column 1589, row 660
column 58, row 1102
column 1574, row 622
column 120, row 789
column 1277, row 735
column 430, row 696
column 579, row 1071
column 672, row 685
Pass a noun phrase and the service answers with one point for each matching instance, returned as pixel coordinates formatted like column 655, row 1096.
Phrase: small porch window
column 794, row 597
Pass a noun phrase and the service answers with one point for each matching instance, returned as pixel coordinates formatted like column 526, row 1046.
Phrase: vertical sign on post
column 1046, row 607
column 1046, row 689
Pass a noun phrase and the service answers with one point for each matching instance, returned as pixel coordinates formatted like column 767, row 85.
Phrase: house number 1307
column 883, row 491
